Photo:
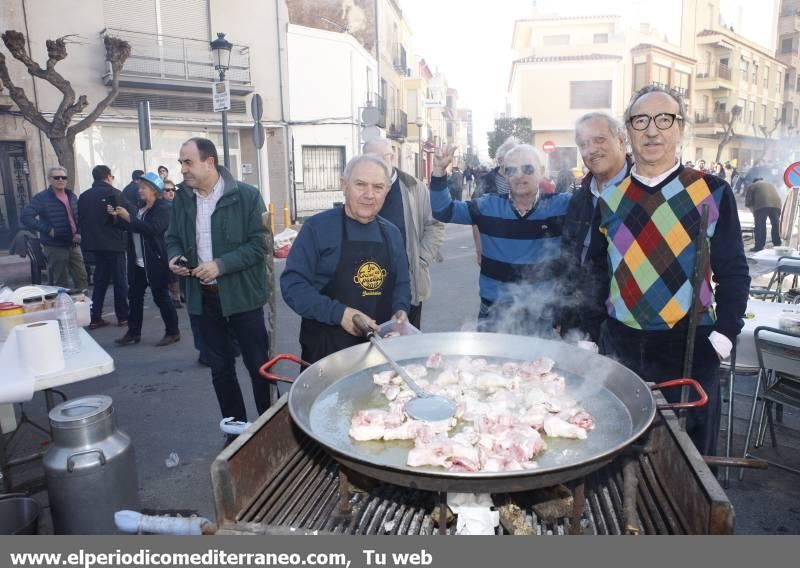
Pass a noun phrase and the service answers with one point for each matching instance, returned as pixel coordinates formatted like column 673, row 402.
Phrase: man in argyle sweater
column 643, row 267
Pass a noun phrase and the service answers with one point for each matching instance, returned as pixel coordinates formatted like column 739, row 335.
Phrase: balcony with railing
column 397, row 127
column 713, row 77
column 179, row 63
column 715, row 120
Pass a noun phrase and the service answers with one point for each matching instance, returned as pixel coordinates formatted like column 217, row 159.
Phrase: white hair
column 526, row 149
column 370, row 159
column 370, row 145
column 56, row 169
column 504, row 148
column 614, row 126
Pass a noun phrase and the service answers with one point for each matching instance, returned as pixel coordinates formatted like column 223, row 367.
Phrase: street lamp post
column 221, row 48
column 419, row 137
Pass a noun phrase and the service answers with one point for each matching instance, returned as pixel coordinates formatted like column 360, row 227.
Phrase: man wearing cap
column 147, row 260
column 217, row 236
column 54, row 214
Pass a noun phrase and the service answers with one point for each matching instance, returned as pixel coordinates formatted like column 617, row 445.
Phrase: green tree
column 519, row 128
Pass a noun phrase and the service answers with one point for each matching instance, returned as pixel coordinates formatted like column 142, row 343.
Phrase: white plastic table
column 763, row 314
column 766, row 261
column 745, row 359
column 90, row 362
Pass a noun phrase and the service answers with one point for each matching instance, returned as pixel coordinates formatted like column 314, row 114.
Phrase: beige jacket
column 424, row 235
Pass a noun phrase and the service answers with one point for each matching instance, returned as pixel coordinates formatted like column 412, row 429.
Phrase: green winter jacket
column 237, row 240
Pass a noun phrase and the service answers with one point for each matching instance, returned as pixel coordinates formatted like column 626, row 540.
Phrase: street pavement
column 165, row 401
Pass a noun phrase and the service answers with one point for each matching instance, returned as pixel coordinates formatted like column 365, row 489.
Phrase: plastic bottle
column 68, row 323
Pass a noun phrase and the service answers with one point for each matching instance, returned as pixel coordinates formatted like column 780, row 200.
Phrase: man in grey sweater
column 408, row 207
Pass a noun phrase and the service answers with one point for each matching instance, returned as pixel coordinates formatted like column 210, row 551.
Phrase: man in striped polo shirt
column 645, row 263
column 520, row 237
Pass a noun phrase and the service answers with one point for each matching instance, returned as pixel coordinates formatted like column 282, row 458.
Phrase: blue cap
column 154, row 180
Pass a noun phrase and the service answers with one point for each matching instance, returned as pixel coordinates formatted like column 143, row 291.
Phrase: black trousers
column 415, row 316
column 219, row 350
column 658, row 356
column 109, row 267
column 760, row 217
column 160, row 297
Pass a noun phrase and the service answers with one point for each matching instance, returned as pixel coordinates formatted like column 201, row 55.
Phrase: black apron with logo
column 364, row 280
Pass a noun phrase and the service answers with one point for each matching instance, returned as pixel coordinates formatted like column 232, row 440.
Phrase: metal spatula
column 426, row 407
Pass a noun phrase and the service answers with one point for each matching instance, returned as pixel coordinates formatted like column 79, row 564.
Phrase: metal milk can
column 90, row 467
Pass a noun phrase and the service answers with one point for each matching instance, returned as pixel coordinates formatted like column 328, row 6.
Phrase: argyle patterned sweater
column 650, row 249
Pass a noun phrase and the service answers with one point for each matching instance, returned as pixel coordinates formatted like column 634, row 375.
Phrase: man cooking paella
column 347, row 261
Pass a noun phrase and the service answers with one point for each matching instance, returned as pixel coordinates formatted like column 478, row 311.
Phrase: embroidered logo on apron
column 370, row 276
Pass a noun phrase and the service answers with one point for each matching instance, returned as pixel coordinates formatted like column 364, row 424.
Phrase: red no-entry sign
column 791, row 177
column 548, row 146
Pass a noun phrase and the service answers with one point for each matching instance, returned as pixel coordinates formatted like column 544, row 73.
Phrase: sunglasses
column 527, row 170
column 60, row 178
column 169, row 189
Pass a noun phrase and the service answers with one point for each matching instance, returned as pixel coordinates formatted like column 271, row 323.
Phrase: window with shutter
column 178, row 18
column 131, row 15
column 186, row 18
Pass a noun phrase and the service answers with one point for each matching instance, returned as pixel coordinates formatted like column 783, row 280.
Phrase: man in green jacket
column 217, row 237
column 763, row 200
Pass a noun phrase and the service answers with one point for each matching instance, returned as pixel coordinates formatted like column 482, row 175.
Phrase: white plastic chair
column 778, row 383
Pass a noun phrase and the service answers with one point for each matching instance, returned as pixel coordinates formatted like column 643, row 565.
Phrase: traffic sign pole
column 791, row 177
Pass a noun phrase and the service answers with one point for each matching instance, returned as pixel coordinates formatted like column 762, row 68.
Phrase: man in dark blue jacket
column 348, row 261
column 601, row 141
column 131, row 191
column 54, row 214
column 105, row 237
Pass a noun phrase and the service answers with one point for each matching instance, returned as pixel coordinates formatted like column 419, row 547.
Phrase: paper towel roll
column 40, row 348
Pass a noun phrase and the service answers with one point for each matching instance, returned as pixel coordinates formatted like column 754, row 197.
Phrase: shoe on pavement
column 754, row 249
column 99, row 323
column 122, row 323
column 128, row 339
column 168, row 340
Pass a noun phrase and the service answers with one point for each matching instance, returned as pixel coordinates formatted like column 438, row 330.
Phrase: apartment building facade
column 326, row 130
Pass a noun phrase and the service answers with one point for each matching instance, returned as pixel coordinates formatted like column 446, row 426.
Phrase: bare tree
column 729, row 133
column 766, row 135
column 59, row 130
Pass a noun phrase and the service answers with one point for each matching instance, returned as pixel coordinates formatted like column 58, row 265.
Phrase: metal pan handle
column 263, row 370
column 681, row 383
column 362, row 327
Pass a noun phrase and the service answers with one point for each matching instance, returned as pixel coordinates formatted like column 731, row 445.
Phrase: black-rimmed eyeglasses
column 663, row 120
column 527, row 170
